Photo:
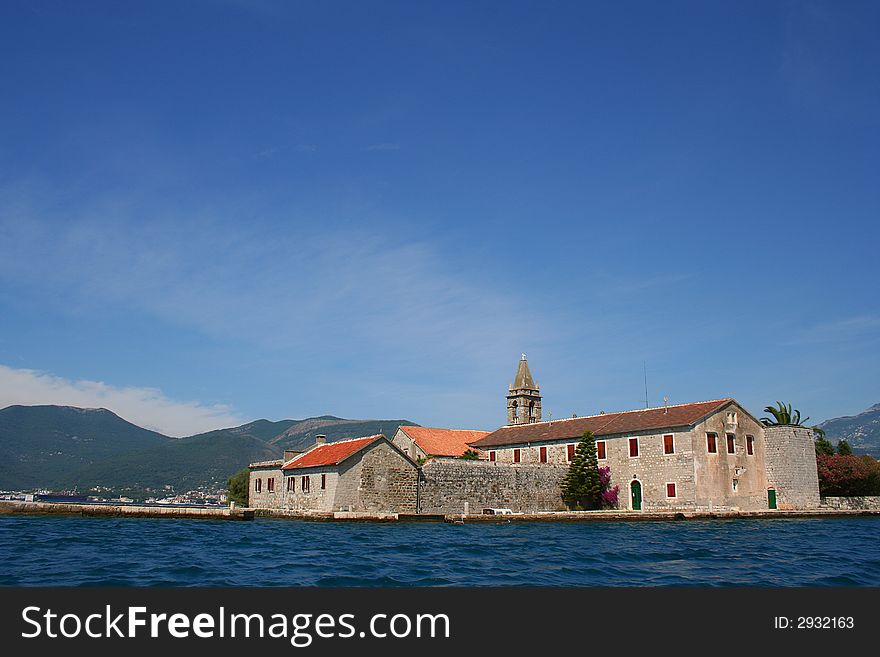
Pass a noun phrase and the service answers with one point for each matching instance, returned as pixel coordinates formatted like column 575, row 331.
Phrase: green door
column 771, row 498
column 636, row 490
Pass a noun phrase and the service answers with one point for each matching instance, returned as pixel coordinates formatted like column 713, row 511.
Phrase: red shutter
column 730, row 444
column 668, row 444
column 516, row 456
column 711, row 444
column 492, row 455
column 600, row 449
column 670, row 490
column 633, row 446
column 571, row 452
column 543, row 455
column 323, row 481
column 750, row 445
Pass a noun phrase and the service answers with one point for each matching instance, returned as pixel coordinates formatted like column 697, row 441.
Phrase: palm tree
column 784, row 415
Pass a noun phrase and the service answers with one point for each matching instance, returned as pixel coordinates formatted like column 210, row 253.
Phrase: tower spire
column 523, row 396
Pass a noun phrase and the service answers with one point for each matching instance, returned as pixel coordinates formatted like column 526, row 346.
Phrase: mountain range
column 861, row 431
column 65, row 448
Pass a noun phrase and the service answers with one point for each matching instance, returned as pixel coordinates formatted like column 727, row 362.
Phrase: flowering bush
column 608, row 495
column 848, row 476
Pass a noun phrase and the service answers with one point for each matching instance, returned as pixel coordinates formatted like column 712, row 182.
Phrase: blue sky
column 212, row 212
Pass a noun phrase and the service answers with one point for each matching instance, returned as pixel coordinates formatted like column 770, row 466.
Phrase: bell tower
column 523, row 397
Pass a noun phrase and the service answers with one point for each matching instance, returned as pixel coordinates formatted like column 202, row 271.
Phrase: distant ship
column 63, row 497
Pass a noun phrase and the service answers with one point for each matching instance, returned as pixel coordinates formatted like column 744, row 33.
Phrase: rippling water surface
column 66, row 551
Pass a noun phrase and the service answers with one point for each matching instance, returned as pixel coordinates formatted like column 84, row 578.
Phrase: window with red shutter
column 492, row 456
column 633, row 447
column 570, row 453
column 750, row 445
column 712, row 443
column 323, row 481
column 600, row 449
column 668, row 444
column 670, row 490
column 543, row 455
column 516, row 456
column 731, row 446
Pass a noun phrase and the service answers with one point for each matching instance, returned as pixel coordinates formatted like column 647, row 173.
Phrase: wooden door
column 636, row 491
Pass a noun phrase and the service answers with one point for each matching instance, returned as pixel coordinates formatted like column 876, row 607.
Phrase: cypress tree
column 581, row 487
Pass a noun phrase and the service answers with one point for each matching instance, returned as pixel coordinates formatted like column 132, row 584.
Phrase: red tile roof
column 330, row 453
column 603, row 425
column 443, row 442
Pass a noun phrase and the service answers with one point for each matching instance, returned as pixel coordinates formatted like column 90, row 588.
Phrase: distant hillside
column 302, row 433
column 64, row 447
column 862, row 431
column 40, row 446
column 185, row 464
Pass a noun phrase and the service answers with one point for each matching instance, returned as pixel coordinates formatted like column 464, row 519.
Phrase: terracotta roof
column 330, row 453
column 603, row 425
column 443, row 442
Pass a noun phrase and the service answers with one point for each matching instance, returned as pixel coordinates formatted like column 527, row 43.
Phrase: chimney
column 320, row 439
column 290, row 453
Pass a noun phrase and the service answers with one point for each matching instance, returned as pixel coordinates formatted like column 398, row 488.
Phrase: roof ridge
column 410, row 426
column 635, row 410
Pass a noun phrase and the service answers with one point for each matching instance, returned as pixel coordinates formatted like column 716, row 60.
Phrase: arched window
column 515, row 410
column 531, row 410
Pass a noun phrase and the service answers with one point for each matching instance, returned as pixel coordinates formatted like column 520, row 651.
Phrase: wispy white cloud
column 146, row 407
column 308, row 290
column 383, row 146
column 838, row 330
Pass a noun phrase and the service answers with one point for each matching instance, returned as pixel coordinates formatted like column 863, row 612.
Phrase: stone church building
column 710, row 455
column 703, row 455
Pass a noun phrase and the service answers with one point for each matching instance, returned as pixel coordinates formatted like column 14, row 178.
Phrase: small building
column 427, row 442
column 368, row 474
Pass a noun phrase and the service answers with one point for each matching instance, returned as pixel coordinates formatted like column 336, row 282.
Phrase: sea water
column 76, row 551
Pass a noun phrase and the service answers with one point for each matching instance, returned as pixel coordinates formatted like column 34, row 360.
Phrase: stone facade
column 446, row 484
column 382, row 480
column 703, row 479
column 791, row 467
column 265, row 485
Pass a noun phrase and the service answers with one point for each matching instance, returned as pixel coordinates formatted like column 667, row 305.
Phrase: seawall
column 13, row 507
column 224, row 513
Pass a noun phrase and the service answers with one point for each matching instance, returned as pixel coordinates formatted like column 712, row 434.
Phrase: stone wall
column 264, row 498
column 791, row 466
column 853, row 503
column 446, row 484
column 727, row 480
column 388, row 480
column 381, row 480
column 315, row 498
